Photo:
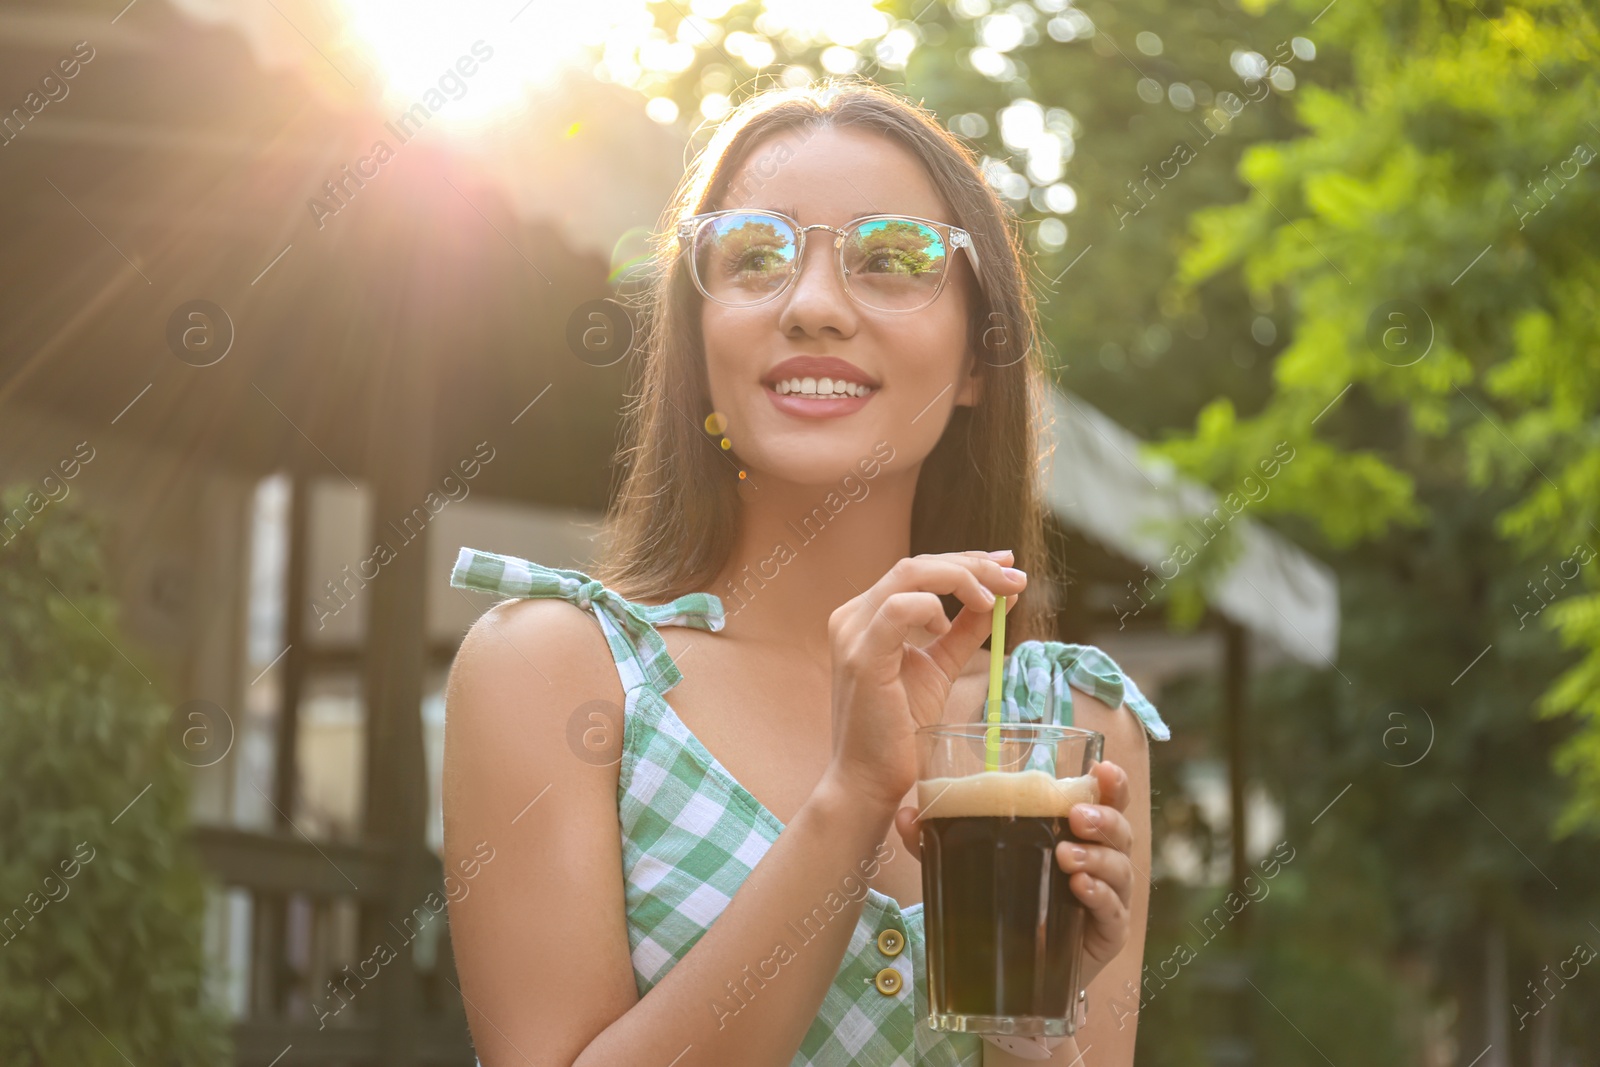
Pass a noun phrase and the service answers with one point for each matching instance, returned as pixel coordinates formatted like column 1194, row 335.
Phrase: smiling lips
column 818, row 387
column 815, row 405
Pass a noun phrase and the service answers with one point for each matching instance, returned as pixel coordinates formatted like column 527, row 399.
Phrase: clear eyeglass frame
column 954, row 237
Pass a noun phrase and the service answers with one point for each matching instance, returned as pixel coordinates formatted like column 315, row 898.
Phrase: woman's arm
column 1114, row 994
column 540, row 936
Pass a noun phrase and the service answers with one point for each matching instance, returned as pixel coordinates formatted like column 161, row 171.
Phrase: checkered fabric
column 1036, row 686
column 691, row 833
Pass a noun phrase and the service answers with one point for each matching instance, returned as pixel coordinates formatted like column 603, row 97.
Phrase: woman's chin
column 820, row 471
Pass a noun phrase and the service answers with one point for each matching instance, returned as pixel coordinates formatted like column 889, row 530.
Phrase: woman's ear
column 971, row 391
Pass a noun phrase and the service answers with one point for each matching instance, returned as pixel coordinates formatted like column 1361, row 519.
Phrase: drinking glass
column 1004, row 930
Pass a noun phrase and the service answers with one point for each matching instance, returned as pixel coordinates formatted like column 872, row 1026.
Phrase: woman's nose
column 817, row 297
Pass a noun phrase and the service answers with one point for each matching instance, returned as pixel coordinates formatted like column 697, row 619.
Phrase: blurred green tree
column 101, row 898
column 1431, row 236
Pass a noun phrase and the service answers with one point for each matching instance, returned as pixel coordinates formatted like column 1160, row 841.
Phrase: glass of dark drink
column 1004, row 930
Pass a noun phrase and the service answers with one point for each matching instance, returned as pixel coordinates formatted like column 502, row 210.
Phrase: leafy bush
column 101, row 897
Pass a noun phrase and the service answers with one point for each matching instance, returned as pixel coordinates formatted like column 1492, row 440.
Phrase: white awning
column 1097, row 482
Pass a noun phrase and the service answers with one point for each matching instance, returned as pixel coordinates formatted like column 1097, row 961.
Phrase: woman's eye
column 890, row 263
column 759, row 261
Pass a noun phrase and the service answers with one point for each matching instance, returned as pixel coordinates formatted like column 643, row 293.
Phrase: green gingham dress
column 691, row 833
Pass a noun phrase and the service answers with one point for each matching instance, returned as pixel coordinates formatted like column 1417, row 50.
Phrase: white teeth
column 820, row 387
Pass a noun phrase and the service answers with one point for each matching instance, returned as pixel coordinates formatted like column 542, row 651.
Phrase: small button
column 891, row 941
column 887, row 981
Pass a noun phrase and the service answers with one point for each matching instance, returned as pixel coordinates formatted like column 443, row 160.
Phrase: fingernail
column 1091, row 816
column 1014, row 574
column 1078, row 855
column 1001, row 553
column 988, row 596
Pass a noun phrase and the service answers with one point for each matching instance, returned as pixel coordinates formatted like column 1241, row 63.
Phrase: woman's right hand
column 885, row 687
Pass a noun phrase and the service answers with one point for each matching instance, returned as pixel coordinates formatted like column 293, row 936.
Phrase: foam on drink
column 1030, row 794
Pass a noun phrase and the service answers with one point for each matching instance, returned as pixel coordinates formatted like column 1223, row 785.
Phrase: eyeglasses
column 742, row 257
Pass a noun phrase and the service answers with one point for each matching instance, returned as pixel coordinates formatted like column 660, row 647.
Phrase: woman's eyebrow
column 785, row 210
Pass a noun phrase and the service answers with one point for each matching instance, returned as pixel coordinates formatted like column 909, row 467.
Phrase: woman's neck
column 803, row 550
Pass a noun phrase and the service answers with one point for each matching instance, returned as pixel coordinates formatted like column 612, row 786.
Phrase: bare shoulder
column 532, row 640
column 524, row 670
column 1126, row 740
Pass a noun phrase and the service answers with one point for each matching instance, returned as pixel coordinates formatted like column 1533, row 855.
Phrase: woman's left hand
column 1102, row 880
column 1101, row 869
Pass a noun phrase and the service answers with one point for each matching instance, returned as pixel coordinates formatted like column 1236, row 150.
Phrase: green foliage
column 101, row 956
column 1463, row 434
column 1454, row 174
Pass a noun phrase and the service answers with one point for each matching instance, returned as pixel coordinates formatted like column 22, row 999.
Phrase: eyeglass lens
column 890, row 264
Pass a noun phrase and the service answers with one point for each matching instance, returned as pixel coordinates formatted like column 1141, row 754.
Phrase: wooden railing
column 316, row 995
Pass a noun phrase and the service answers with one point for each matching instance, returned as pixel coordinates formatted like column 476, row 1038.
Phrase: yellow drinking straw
column 997, row 651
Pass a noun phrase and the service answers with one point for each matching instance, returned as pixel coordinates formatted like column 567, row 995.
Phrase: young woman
column 829, row 478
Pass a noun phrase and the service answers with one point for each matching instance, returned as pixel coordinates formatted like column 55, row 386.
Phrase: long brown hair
column 673, row 522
